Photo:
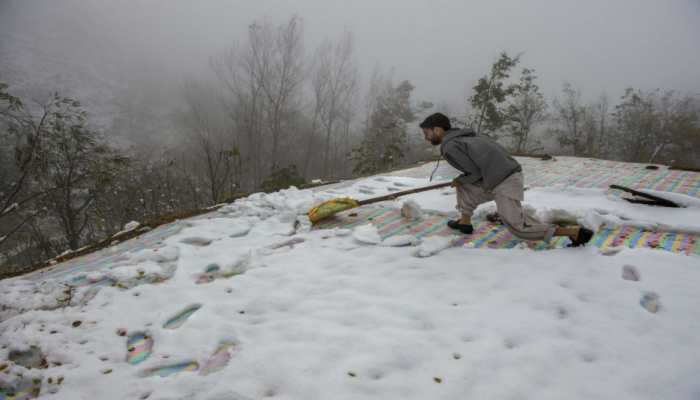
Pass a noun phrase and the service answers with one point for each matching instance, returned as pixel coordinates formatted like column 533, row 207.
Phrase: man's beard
column 436, row 141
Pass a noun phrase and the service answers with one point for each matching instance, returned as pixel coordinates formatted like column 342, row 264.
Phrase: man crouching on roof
column 490, row 173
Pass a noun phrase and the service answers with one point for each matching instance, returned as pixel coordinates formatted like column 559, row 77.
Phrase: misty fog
column 442, row 47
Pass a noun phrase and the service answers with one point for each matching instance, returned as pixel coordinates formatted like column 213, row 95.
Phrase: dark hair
column 436, row 120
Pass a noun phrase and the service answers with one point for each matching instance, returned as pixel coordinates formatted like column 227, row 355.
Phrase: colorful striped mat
column 108, row 256
column 592, row 173
column 389, row 222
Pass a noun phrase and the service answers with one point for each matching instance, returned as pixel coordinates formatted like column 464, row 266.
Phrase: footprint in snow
column 197, row 241
column 139, row 347
column 168, row 370
column 611, row 251
column 287, row 243
column 24, row 388
column 562, row 312
column 210, row 273
column 218, row 360
column 31, row 358
column 650, row 302
column 630, row 273
column 181, row 317
column 215, row 271
column 228, row 395
column 239, row 231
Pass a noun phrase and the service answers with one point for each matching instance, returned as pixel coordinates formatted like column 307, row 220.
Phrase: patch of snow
column 342, row 232
column 411, row 210
column 131, row 226
column 134, row 271
column 159, row 255
column 367, row 234
column 10, row 208
column 433, row 245
column 238, row 230
column 400, row 240
column 66, row 252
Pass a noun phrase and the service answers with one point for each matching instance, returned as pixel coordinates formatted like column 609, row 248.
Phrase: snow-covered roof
column 249, row 301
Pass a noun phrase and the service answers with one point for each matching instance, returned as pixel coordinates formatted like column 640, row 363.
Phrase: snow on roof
column 249, row 302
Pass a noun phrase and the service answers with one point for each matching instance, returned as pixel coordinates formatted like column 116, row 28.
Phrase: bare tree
column 378, row 82
column 14, row 171
column 601, row 111
column 655, row 125
column 684, row 128
column 319, row 90
column 264, row 79
column 385, row 142
column 62, row 167
column 34, row 137
column 343, row 168
column 78, row 166
column 334, row 86
column 21, row 134
column 287, row 76
column 569, row 117
column 212, row 139
column 679, row 117
column 636, row 124
column 238, row 71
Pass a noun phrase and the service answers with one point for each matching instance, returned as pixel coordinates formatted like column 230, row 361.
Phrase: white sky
column 441, row 46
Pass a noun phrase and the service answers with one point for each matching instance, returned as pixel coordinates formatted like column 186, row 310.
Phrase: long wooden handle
column 653, row 200
column 392, row 196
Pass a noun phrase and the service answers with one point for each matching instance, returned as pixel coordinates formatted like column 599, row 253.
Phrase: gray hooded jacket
column 481, row 160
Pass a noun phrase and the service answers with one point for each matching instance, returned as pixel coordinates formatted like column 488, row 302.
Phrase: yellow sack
column 331, row 207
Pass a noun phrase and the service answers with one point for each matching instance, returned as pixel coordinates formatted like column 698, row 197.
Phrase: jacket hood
column 455, row 133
